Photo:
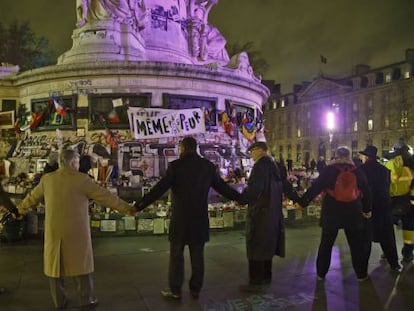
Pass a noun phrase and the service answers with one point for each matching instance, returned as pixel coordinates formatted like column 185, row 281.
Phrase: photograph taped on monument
column 8, row 105
column 207, row 104
column 7, row 119
column 111, row 110
column 53, row 112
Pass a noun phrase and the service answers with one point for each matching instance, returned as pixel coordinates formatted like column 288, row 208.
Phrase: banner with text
column 151, row 123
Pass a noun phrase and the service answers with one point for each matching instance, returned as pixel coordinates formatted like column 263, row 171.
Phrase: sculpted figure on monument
column 131, row 12
column 206, row 42
column 241, row 64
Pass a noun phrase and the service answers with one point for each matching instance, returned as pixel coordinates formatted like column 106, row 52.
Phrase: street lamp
column 330, row 126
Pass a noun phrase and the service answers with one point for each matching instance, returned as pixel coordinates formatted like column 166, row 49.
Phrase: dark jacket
column 190, row 179
column 264, row 222
column 378, row 177
column 337, row 214
column 7, row 203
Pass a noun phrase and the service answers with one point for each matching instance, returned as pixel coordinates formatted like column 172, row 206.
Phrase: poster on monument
column 170, row 124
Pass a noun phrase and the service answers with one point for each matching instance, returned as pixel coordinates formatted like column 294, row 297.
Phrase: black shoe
column 407, row 259
column 170, row 295
column 195, row 294
column 395, row 268
column 93, row 303
column 363, row 279
column 63, row 306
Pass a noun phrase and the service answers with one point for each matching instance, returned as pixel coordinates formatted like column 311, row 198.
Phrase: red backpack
column 346, row 185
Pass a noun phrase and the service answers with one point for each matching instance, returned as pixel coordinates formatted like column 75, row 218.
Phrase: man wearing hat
column 264, row 222
column 401, row 150
column 381, row 227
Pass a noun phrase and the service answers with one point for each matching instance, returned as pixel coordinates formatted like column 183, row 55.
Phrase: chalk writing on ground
column 264, row 302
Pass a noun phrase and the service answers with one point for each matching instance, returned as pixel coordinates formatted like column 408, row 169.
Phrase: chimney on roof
column 409, row 55
column 297, row 88
column 361, row 69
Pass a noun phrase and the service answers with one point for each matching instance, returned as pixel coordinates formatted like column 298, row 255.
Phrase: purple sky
column 291, row 34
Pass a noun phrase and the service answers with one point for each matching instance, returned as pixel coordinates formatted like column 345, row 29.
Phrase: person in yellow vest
column 401, row 165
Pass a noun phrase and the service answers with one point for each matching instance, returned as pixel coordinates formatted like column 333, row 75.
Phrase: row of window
column 380, row 78
column 355, row 148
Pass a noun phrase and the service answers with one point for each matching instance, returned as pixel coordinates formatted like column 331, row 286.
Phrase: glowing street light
column 330, row 121
column 330, row 124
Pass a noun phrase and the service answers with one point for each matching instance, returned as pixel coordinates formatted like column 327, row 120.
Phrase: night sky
column 291, row 34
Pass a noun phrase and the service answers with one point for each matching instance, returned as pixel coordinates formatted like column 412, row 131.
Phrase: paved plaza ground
column 131, row 271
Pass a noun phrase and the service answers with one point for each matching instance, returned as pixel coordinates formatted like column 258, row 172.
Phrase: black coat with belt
column 264, row 223
column 379, row 182
column 335, row 214
column 190, row 178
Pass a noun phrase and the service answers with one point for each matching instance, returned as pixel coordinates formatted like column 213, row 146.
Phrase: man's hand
column 367, row 215
column 132, row 211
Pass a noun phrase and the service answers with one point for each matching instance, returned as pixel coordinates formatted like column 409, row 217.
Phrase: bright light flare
column 330, row 120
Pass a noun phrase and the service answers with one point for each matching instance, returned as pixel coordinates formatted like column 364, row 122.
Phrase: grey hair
column 343, row 152
column 67, row 156
column 53, row 157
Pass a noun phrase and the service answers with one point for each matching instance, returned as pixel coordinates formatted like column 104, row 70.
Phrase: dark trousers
column 408, row 232
column 260, row 272
column 84, row 286
column 386, row 240
column 357, row 246
column 176, row 266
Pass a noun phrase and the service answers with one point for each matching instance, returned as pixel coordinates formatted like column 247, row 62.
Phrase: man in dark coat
column 190, row 178
column 382, row 225
column 264, row 223
column 321, row 164
column 8, row 204
column 337, row 215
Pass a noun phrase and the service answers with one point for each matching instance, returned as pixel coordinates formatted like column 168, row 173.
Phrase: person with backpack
column 401, row 165
column 346, row 204
column 381, row 228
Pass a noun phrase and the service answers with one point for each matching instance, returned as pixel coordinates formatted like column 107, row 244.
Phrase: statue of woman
column 206, row 42
column 131, row 12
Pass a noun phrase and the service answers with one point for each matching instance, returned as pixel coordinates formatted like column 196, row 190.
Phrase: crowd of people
column 356, row 199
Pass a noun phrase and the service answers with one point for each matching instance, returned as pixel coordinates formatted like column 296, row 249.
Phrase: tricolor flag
column 59, row 108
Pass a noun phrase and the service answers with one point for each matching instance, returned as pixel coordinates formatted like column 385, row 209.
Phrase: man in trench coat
column 67, row 242
column 264, row 223
column 190, row 178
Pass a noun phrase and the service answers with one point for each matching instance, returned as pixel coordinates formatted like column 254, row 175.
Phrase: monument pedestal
column 104, row 41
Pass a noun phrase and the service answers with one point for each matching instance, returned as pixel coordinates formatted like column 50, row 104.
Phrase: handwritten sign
column 166, row 123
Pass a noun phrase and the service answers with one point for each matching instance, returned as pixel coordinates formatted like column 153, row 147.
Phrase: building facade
column 372, row 106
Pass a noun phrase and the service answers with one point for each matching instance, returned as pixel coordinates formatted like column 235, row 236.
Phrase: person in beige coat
column 67, row 241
